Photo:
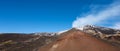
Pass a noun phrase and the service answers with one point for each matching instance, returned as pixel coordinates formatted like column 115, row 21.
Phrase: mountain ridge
column 36, row 41
column 78, row 41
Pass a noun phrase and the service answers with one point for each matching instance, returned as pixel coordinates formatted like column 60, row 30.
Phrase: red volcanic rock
column 78, row 41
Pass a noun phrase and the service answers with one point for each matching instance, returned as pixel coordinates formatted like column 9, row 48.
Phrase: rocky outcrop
column 99, row 31
column 107, row 34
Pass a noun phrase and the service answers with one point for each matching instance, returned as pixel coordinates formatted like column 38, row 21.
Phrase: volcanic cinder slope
column 76, row 40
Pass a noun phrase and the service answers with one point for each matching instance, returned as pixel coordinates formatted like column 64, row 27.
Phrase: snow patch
column 62, row 32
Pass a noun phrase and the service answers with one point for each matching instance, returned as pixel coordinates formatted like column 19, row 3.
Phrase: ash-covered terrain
column 91, row 38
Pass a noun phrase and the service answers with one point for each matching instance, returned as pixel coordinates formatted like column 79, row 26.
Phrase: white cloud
column 116, row 26
column 110, row 11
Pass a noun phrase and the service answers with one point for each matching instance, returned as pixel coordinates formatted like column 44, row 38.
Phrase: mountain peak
column 76, row 40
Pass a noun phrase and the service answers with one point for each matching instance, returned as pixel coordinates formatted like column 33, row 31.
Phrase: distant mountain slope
column 103, row 30
column 104, row 33
column 15, row 37
column 76, row 40
column 23, row 42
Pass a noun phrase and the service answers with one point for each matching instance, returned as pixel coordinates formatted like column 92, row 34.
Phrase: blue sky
column 45, row 15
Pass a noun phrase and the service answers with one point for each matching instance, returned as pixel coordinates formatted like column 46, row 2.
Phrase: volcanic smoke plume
column 111, row 11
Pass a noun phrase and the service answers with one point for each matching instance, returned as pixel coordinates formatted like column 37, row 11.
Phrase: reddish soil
column 79, row 41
